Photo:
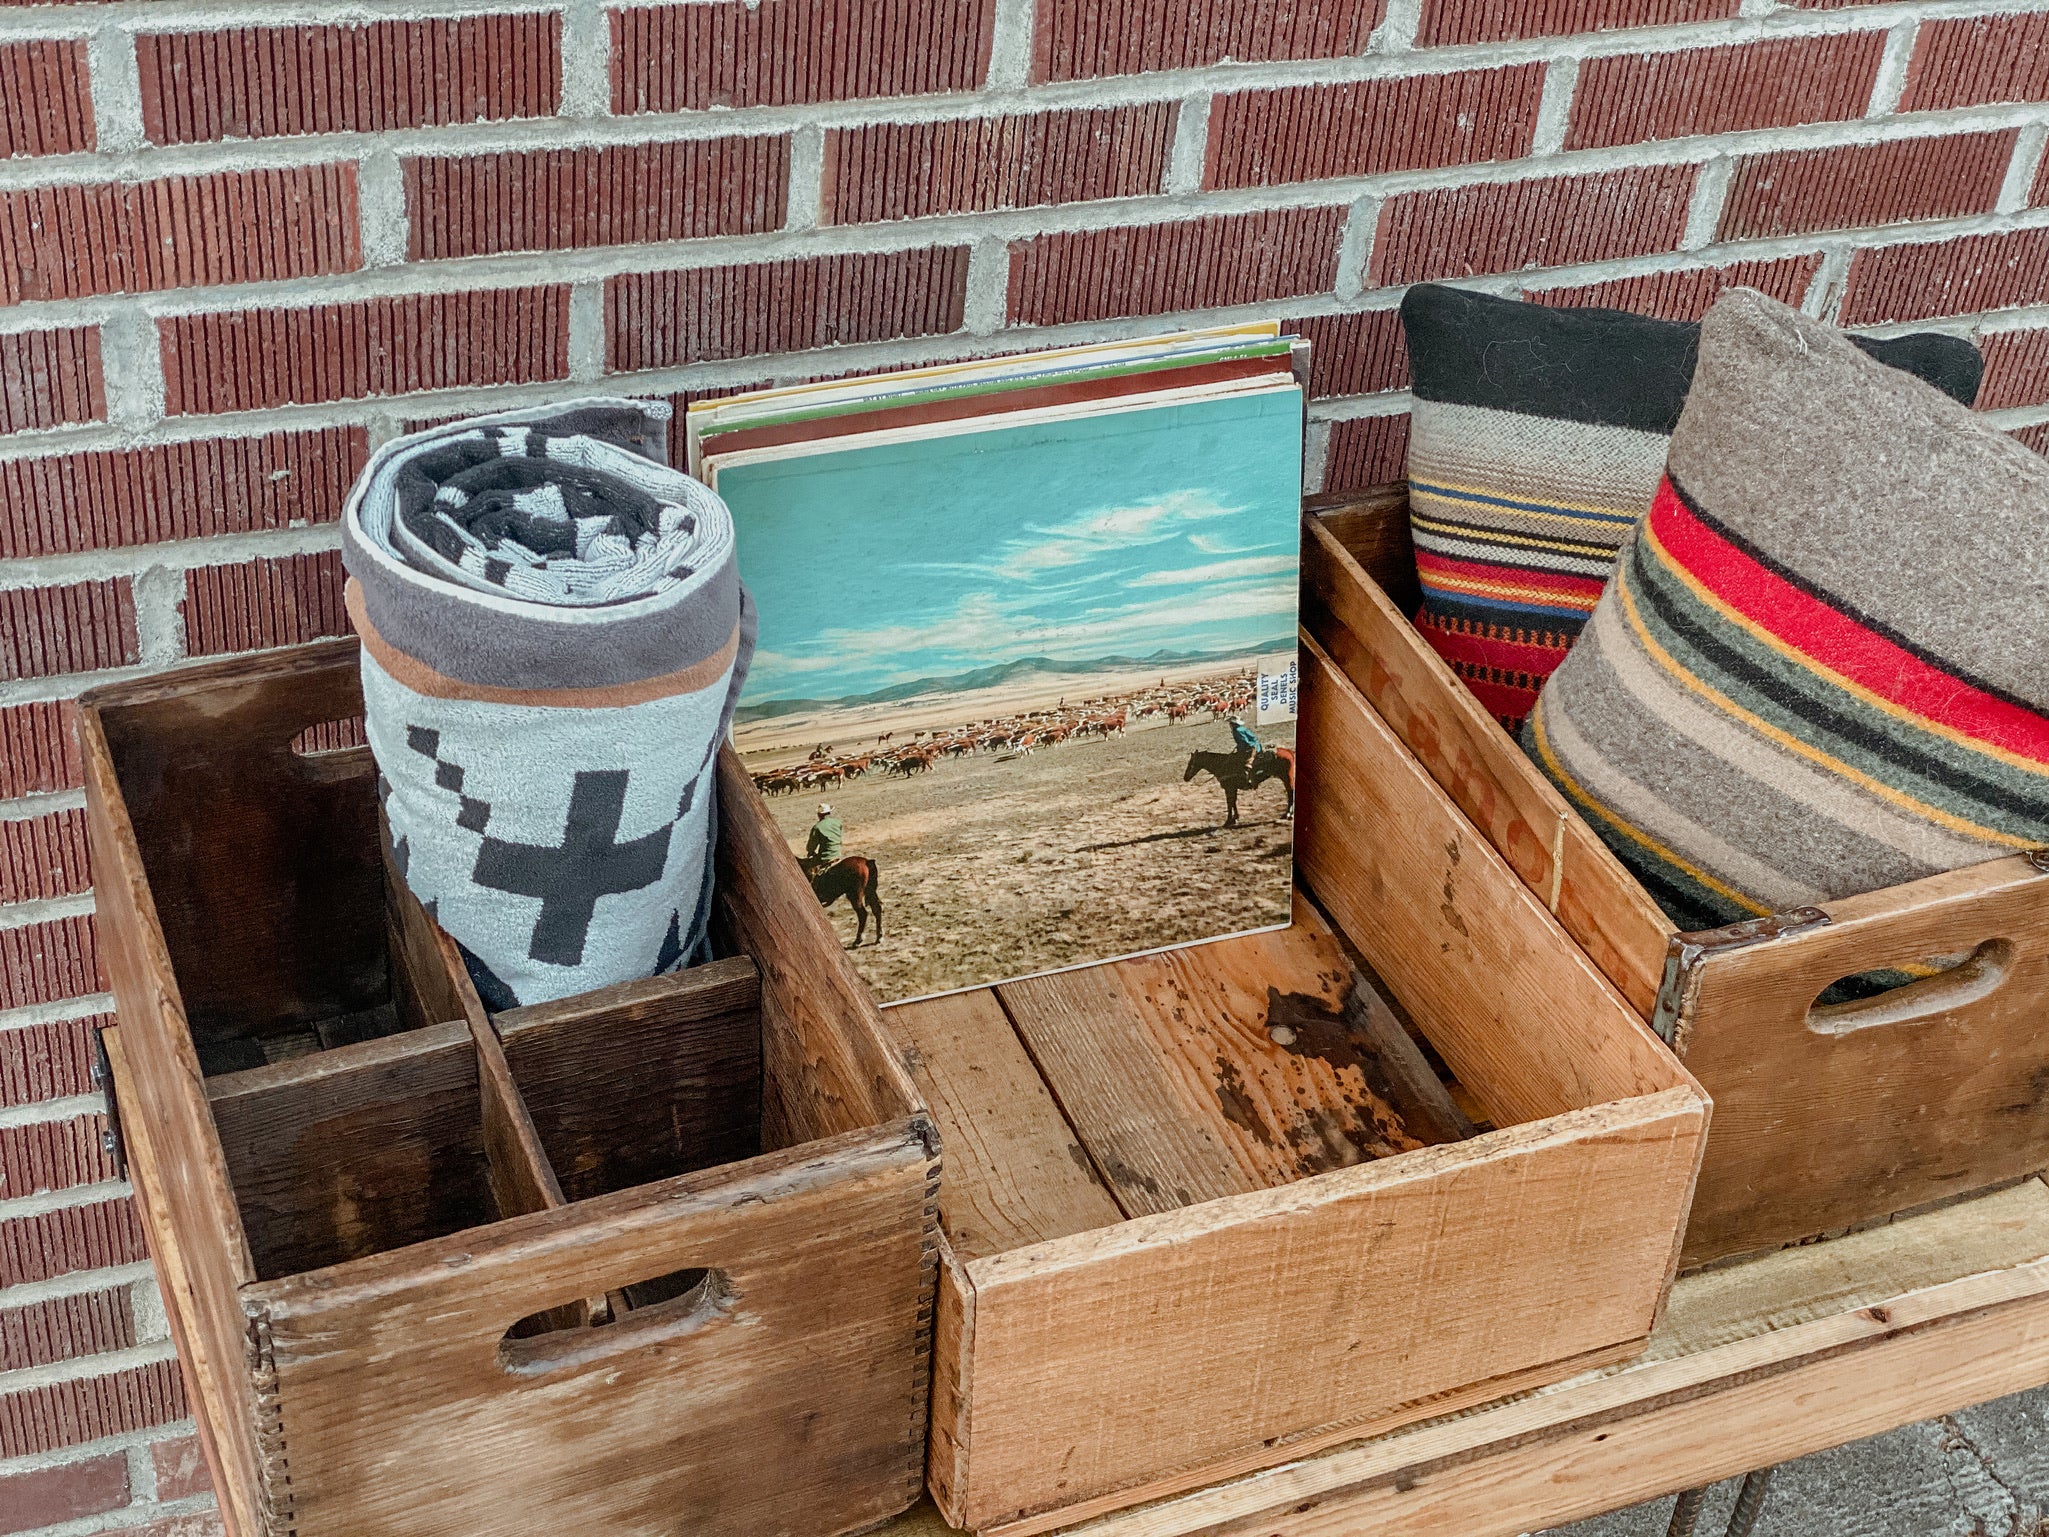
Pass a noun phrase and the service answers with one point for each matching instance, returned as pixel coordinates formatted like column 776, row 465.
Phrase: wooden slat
column 1482, row 769
column 1524, row 1019
column 1214, row 1069
column 196, row 1232
column 684, row 1416
column 640, row 1081
column 1517, row 1256
column 1827, row 1117
column 1014, row 1172
column 342, row 1153
column 828, row 1066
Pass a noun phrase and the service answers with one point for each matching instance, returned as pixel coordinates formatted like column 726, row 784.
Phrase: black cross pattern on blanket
column 568, row 879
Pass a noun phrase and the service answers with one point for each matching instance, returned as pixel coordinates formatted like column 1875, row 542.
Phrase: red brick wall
column 237, row 253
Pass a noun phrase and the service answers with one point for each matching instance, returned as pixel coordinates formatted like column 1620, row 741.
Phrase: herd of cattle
column 1094, row 719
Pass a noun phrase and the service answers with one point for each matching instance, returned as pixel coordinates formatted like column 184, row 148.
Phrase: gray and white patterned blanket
column 554, row 636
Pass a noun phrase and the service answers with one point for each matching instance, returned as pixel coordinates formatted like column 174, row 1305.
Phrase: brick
column 39, row 749
column 180, row 1468
column 48, row 1060
column 242, row 360
column 1628, row 97
column 661, row 319
column 199, row 1523
column 562, row 199
column 252, row 82
column 63, row 1328
column 1687, row 293
column 1026, row 160
column 178, row 232
column 1086, row 39
column 1964, row 276
column 280, row 602
column 53, row 1155
column 1552, row 222
column 87, row 1409
column 64, row 503
column 1492, row 21
column 48, row 378
column 70, row 1491
column 2035, row 437
column 46, row 631
column 50, row 961
column 1366, row 451
column 45, row 98
column 70, row 1239
column 2016, row 369
column 2038, row 194
column 1357, row 354
column 43, row 857
column 1308, row 133
column 732, row 53
column 1970, row 61
column 1190, row 264
column 1791, row 192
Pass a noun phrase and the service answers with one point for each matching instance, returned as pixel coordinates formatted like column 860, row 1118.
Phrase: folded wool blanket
column 554, row 637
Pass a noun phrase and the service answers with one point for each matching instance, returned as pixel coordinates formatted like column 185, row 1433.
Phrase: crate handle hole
column 654, row 1311
column 1897, row 996
column 333, row 749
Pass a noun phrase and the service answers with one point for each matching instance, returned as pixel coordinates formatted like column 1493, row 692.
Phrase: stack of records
column 1024, row 690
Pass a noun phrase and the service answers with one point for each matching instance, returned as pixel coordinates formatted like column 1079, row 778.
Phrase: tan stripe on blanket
column 422, row 679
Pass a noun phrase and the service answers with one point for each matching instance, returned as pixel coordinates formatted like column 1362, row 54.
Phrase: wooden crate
column 1167, row 1252
column 652, row 1259
column 1825, row 1117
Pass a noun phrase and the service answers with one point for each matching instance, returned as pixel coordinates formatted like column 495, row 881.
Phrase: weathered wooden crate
column 1826, row 1117
column 653, row 1259
column 1168, row 1252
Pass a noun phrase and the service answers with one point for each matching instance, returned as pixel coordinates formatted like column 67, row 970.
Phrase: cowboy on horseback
column 1246, row 743
column 822, row 847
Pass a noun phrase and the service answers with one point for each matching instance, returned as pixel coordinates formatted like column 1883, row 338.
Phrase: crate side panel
column 1222, row 1333
column 790, row 1396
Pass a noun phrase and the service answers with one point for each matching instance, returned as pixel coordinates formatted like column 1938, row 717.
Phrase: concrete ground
column 1981, row 1473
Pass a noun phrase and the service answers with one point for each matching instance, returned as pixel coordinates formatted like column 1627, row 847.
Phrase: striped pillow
column 1822, row 667
column 1535, row 443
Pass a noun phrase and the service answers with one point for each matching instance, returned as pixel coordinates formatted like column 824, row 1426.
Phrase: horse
column 1233, row 773
column 859, row 880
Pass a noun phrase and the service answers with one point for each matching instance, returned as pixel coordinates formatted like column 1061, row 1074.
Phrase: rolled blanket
column 554, row 637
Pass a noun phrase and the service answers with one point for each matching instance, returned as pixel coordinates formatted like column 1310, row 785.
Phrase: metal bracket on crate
column 2039, row 858
column 111, row 1139
column 1684, row 951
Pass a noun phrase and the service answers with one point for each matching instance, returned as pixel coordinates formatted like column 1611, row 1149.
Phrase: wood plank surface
column 786, row 1395
column 640, row 1081
column 1753, row 1363
column 1830, row 1116
column 343, row 1153
column 1477, row 763
column 1172, row 1349
column 828, row 1066
column 1525, row 1020
column 1015, row 1174
column 1214, row 1069
column 196, row 1233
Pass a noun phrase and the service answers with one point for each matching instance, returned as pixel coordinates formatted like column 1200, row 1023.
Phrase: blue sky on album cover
column 1173, row 528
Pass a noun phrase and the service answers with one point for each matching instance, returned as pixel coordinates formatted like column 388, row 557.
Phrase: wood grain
column 1258, row 1326
column 1483, row 770
column 349, row 1152
column 643, row 1080
column 1015, row 1174
column 828, row 1066
column 196, row 1233
column 1830, row 1117
column 1214, row 1069
column 1529, row 1025
column 681, row 1418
